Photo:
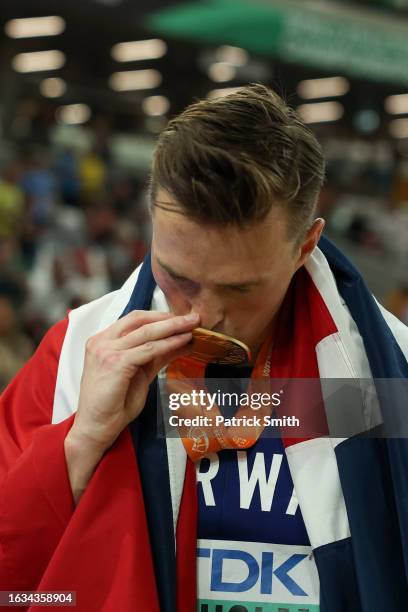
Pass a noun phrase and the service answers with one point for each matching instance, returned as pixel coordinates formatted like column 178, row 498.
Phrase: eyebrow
column 169, row 270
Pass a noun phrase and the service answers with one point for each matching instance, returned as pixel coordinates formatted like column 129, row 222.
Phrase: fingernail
column 191, row 317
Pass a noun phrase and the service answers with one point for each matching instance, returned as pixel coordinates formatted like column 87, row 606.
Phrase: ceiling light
column 139, row 50
column 221, row 72
column 53, row 87
column 399, row 128
column 38, row 61
column 35, row 26
column 155, row 106
column 232, row 55
column 329, row 87
column 397, row 105
column 320, row 112
column 73, row 114
column 135, row 79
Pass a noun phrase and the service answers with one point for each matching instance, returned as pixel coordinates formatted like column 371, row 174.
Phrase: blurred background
column 85, row 87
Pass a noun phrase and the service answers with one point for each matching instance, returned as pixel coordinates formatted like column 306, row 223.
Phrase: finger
column 136, row 397
column 148, row 373
column 153, row 368
column 134, row 320
column 145, row 353
column 156, row 331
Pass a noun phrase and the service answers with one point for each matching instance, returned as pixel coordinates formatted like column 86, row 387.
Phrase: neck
column 269, row 333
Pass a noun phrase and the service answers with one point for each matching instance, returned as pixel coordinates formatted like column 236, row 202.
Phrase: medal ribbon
column 210, row 437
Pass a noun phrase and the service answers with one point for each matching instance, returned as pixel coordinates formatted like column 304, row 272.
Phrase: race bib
column 235, row 576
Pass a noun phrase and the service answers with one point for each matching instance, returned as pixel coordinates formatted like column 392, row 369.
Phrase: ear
column 310, row 241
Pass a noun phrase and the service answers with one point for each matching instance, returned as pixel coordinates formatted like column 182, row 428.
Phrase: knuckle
column 100, row 354
column 145, row 335
column 110, row 359
column 91, row 344
column 135, row 314
column 99, row 351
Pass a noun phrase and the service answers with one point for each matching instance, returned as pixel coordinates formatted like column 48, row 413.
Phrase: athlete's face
column 234, row 278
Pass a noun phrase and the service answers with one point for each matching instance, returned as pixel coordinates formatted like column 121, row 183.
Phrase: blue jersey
column 253, row 547
column 249, row 495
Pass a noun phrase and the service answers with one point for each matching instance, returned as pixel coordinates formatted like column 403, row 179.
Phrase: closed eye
column 186, row 282
column 243, row 289
column 181, row 279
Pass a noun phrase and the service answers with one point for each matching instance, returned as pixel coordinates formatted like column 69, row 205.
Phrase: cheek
column 256, row 310
column 169, row 287
column 250, row 301
column 245, row 313
column 166, row 284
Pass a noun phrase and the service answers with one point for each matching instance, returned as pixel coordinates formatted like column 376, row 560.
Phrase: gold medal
column 209, row 346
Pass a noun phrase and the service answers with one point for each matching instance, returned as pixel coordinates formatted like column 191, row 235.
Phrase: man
column 95, row 502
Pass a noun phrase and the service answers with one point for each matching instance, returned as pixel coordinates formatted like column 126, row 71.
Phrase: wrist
column 79, row 445
column 83, row 441
column 82, row 459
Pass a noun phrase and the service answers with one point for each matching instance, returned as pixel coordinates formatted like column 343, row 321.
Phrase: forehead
column 220, row 254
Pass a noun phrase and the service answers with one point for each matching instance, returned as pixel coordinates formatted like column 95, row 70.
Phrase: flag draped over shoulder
column 130, row 544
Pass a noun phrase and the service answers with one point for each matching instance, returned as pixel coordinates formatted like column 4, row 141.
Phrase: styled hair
column 231, row 159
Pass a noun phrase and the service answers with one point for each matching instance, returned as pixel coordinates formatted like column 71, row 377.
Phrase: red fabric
column 303, row 322
column 104, row 553
column 187, row 543
column 100, row 549
column 35, row 496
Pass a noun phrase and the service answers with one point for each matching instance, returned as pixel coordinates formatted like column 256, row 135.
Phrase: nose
column 209, row 307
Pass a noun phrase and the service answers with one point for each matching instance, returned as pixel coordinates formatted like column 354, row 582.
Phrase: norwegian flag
column 130, row 544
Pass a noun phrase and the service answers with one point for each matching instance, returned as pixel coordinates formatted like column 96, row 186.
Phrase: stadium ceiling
column 93, row 27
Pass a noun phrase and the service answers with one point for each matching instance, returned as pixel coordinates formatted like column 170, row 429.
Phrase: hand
column 120, row 363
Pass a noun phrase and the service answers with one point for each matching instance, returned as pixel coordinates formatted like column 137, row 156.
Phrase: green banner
column 343, row 40
column 397, row 4
column 208, row 605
